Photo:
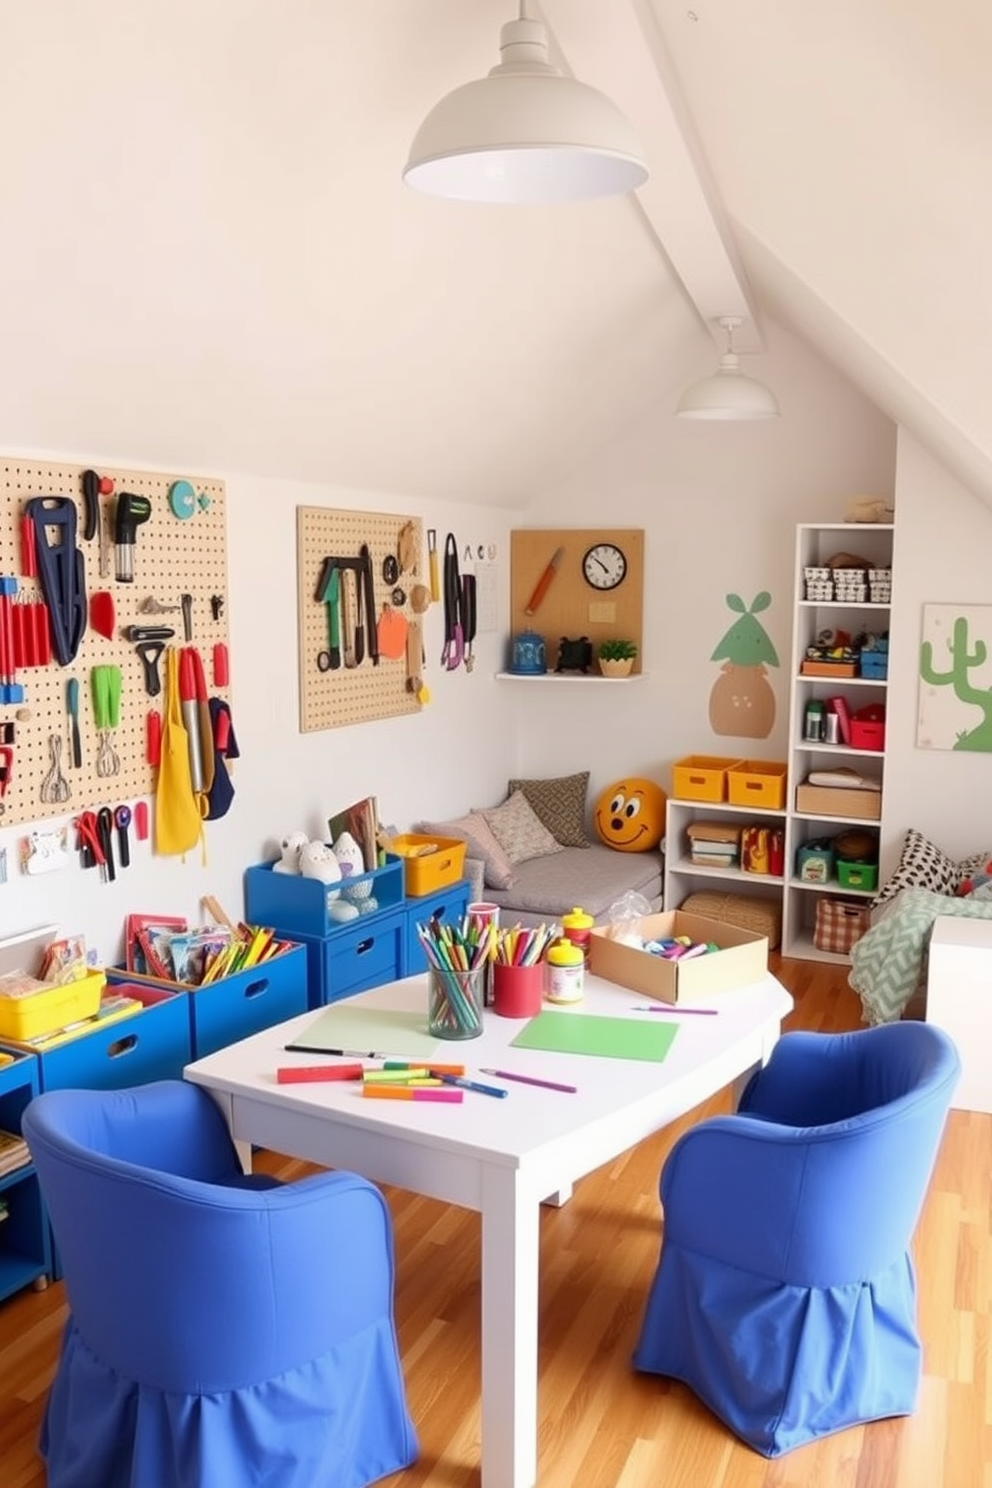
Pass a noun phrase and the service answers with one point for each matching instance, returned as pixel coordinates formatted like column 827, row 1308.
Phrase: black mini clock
column 604, row 566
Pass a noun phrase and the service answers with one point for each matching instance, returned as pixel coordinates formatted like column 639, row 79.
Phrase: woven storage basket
column 745, row 911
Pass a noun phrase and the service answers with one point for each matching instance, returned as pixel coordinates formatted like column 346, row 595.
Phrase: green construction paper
column 612, row 1038
column 369, row 1031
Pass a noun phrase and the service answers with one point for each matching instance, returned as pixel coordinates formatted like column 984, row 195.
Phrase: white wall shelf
column 558, row 677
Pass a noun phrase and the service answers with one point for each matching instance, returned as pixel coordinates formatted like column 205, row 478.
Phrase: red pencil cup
column 517, row 990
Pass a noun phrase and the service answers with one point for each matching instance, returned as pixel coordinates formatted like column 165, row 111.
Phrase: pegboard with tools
column 362, row 593
column 100, row 571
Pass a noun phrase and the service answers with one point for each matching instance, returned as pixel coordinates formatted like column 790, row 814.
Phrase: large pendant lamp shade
column 728, row 394
column 525, row 133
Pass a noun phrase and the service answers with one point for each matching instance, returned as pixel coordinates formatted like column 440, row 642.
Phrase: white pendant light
column 728, row 394
column 525, row 133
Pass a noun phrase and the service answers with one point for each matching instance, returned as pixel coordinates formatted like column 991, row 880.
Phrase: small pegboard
column 336, row 688
column 179, row 548
column 569, row 605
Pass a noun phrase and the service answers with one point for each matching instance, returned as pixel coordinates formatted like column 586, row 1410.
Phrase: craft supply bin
column 230, row 1009
column 25, row 1245
column 301, row 907
column 741, row 959
column 152, row 1043
column 433, row 871
column 701, row 777
column 51, row 1008
column 757, row 783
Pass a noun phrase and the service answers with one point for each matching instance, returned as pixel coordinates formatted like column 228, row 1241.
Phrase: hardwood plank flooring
column 601, row 1424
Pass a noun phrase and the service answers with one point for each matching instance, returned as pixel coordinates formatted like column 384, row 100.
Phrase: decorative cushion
column 474, row 830
column 559, row 804
column 922, row 865
column 518, row 830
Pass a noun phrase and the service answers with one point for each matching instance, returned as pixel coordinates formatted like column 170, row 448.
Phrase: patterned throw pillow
column 475, row 831
column 518, row 830
column 559, row 804
column 922, row 865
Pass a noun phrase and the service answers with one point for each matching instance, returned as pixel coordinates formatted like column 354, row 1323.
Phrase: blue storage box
column 230, row 1009
column 366, row 953
column 294, row 905
column 152, row 1043
column 874, row 664
column 448, row 905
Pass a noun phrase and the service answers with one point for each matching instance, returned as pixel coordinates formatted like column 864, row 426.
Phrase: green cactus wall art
column 742, row 702
column 955, row 700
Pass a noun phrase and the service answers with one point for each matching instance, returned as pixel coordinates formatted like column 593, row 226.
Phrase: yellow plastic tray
column 43, row 1012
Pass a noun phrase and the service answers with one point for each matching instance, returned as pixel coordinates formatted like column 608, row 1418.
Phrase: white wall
column 719, row 504
column 456, row 752
column 942, row 547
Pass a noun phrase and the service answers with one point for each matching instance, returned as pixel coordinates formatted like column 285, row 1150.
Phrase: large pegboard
column 172, row 556
column 347, row 695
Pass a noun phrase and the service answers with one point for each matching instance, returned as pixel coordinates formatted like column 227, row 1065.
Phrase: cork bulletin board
column 172, row 555
column 571, row 606
column 335, row 696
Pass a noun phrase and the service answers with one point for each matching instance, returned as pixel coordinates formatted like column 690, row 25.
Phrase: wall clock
column 604, row 566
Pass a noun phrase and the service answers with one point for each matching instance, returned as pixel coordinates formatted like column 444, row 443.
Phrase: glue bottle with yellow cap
column 566, row 972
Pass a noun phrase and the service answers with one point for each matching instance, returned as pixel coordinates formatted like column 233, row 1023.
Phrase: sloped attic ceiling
column 210, row 260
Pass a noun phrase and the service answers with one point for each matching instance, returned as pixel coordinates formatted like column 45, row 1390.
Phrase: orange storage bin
column 757, row 783
column 701, row 777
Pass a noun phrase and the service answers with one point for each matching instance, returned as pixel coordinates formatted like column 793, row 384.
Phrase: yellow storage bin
column 758, row 783
column 701, row 777
column 426, row 872
column 37, row 1013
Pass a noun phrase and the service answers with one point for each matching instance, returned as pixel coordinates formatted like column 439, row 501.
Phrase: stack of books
column 714, row 844
column 13, row 1152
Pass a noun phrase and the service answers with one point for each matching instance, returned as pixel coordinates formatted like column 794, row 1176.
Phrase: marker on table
column 409, row 1092
column 681, row 1012
column 302, row 1074
column 464, row 1084
column 435, row 1069
column 531, row 1080
column 343, row 1053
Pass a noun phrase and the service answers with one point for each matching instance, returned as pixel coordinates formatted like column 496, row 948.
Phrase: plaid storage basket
column 839, row 923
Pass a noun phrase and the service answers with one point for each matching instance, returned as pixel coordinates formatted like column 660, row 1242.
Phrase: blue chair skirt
column 783, row 1365
column 334, row 1422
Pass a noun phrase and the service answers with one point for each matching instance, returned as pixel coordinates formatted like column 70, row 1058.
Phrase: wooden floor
column 602, row 1425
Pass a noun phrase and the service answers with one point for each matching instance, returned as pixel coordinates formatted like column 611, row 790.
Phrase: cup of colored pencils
column 458, row 967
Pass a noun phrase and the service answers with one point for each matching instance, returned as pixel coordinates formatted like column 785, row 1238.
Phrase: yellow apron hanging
column 178, row 823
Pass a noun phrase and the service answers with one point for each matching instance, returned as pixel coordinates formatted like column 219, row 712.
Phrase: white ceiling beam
column 616, row 46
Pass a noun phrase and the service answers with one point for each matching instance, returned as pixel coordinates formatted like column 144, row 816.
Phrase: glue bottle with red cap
column 577, row 925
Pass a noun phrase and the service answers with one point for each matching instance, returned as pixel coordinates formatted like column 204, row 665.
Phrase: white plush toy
column 352, row 865
column 290, row 848
column 317, row 860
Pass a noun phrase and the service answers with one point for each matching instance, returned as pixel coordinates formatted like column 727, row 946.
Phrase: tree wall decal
column 742, row 701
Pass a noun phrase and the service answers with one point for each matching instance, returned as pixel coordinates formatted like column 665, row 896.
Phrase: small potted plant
column 616, row 658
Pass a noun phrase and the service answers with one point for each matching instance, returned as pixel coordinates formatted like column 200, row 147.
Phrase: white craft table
column 500, row 1157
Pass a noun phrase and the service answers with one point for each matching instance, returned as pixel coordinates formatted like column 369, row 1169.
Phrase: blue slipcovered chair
column 785, row 1296
column 224, row 1330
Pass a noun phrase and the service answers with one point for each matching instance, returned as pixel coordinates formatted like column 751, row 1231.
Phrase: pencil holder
column 518, row 990
column 455, row 1002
